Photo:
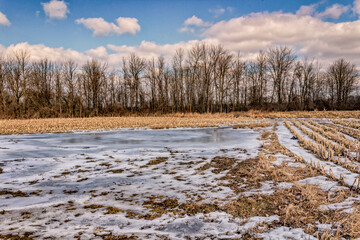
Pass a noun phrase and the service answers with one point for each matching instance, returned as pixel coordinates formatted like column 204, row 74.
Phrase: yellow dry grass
column 313, row 114
column 158, row 121
column 107, row 123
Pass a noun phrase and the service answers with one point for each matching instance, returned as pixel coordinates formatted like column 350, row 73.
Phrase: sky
column 109, row 30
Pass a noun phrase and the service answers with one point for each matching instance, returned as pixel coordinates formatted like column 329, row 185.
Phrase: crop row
column 332, row 135
column 321, row 152
column 348, row 123
column 345, row 130
column 324, row 152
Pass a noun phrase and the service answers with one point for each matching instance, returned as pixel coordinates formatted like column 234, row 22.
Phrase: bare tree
column 133, row 69
column 341, row 77
column 305, row 74
column 280, row 60
column 207, row 78
column 223, row 77
column 17, row 71
column 95, row 78
column 69, row 69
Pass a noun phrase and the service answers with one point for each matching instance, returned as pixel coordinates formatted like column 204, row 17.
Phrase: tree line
column 206, row 78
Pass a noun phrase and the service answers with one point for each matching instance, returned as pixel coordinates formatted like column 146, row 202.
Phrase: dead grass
column 56, row 125
column 159, row 205
column 115, row 170
column 349, row 123
column 113, row 210
column 348, row 131
column 107, row 123
column 325, row 150
column 250, row 173
column 260, row 124
column 118, row 237
column 219, row 164
column 26, row 236
column 297, row 207
column 158, row 160
column 313, row 114
column 14, row 193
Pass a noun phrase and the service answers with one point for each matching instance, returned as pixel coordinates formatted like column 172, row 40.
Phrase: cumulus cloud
column 146, row 49
column 195, row 21
column 98, row 53
column 306, row 10
column 4, row 20
column 40, row 51
column 334, row 11
column 311, row 36
column 356, row 7
column 55, row 9
column 100, row 27
column 192, row 22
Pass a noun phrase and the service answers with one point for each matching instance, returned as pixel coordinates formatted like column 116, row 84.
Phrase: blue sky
column 159, row 22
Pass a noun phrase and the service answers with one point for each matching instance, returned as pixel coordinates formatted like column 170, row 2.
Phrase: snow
column 323, row 183
column 51, row 164
column 286, row 233
column 345, row 206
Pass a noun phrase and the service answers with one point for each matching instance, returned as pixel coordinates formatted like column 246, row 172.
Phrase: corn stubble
column 107, row 123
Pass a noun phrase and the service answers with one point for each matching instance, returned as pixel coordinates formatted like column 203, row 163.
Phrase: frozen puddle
column 72, row 184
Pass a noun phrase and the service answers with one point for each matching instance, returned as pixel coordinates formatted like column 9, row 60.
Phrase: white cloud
column 2, row 50
column 98, row 53
column 356, row 7
column 195, row 21
column 100, row 27
column 146, row 49
column 311, row 36
column 55, row 9
column 306, row 10
column 334, row 12
column 3, row 20
column 40, row 51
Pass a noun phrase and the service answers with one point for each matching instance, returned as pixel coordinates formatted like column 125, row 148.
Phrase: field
column 248, row 175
